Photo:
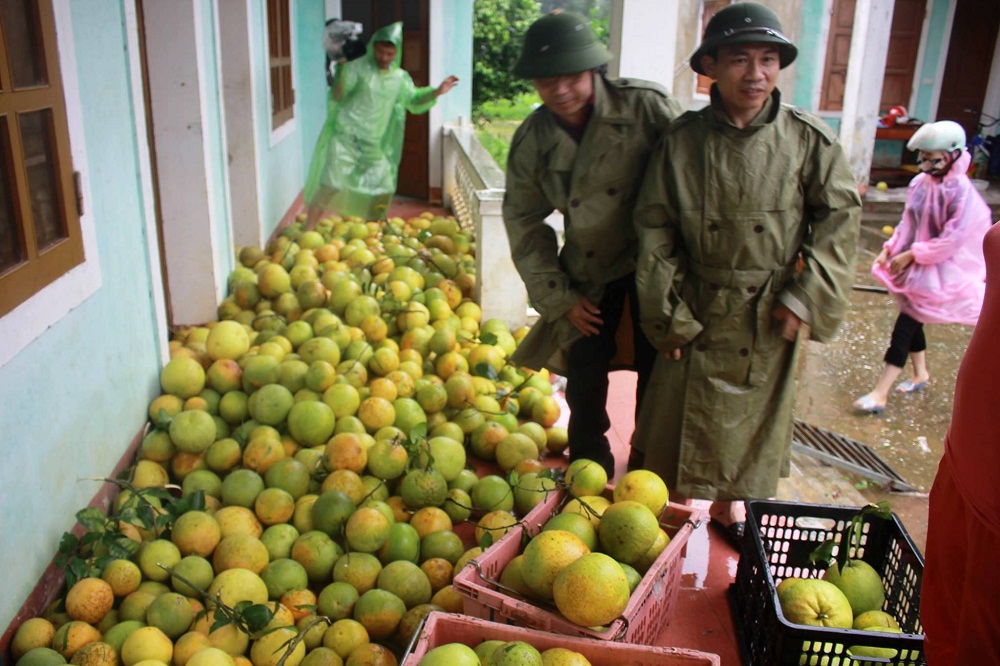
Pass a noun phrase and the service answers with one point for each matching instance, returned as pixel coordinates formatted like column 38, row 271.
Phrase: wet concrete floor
column 910, row 434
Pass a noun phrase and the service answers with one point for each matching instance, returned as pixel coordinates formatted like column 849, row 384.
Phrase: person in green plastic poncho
column 356, row 160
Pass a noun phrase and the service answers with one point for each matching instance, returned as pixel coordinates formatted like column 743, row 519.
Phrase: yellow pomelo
column 238, row 520
column 89, row 600
column 210, row 656
column 344, row 636
column 95, row 654
column 183, row 377
column 380, row 612
column 576, row 523
column 235, row 585
column 516, row 653
column 146, row 643
column 517, row 447
column 586, row 477
column 361, row 570
column 171, row 613
column 271, row 647
column 371, row 654
column 546, row 555
column 591, row 506
column 592, row 590
column 627, row 530
column 33, row 633
column 659, row 545
column 240, row 551
column 407, row 581
column 643, row 486
column 227, row 340
column 560, row 656
column 188, row 645
column 875, row 618
column 860, row 583
column 495, row 524
column 156, row 554
column 512, row 575
column 366, row 530
column 429, row 520
column 72, row 636
column 423, row 487
column 196, row 533
column 815, row 602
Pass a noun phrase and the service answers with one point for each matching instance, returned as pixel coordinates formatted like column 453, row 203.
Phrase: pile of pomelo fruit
column 590, row 556
column 315, row 439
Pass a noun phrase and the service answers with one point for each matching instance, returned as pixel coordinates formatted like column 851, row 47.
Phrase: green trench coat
column 731, row 222
column 594, row 184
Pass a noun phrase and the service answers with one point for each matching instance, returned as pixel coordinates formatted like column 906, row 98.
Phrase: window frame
column 39, row 266
column 280, row 63
column 36, row 315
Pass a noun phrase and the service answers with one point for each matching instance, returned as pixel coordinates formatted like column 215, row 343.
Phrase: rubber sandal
column 909, row 386
column 733, row 532
column 866, row 403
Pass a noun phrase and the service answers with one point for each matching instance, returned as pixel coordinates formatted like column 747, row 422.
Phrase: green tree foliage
column 497, row 34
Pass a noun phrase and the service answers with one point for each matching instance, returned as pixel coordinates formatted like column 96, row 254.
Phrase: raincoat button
column 574, row 203
column 744, row 352
column 759, row 228
column 658, row 327
column 752, row 289
column 701, row 346
column 552, row 284
column 612, row 191
column 590, row 254
column 713, row 227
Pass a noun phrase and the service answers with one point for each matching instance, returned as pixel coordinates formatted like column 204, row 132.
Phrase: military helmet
column 744, row 23
column 559, row 44
column 944, row 135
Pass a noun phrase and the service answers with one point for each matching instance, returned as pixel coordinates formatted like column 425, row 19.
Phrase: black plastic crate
column 779, row 539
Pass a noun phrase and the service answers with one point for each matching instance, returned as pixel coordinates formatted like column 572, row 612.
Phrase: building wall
column 73, row 399
column 451, row 53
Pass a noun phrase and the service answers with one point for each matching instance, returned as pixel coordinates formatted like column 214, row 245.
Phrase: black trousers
column 907, row 337
column 589, row 363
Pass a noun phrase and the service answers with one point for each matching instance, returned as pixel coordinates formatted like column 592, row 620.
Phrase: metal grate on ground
column 846, row 453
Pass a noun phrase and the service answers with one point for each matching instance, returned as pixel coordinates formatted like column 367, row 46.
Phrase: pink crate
column 442, row 628
column 650, row 607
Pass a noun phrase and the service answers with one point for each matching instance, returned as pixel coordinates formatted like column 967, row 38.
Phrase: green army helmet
column 560, row 44
column 744, row 23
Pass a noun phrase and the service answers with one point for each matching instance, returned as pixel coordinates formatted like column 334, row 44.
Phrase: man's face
column 566, row 95
column 385, row 54
column 745, row 74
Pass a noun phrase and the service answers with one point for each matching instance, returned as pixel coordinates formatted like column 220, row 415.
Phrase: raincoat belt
column 741, row 279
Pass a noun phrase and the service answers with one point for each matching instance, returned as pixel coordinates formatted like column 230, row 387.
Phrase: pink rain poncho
column 943, row 224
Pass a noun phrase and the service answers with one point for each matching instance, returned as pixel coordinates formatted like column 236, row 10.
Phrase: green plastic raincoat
column 594, row 185
column 732, row 222
column 356, row 161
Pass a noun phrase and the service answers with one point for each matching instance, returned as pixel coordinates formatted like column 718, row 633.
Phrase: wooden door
column 904, row 42
column 967, row 69
column 415, row 15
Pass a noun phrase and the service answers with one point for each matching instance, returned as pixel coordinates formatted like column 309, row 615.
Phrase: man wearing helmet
column 748, row 223
column 581, row 153
column 933, row 262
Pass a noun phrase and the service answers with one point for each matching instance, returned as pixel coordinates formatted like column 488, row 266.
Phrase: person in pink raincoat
column 933, row 263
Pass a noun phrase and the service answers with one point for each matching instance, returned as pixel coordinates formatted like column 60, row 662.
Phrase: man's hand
column 900, row 262
column 790, row 322
column 446, row 85
column 675, row 354
column 585, row 316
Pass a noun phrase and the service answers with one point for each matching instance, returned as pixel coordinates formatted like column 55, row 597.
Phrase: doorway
column 970, row 56
column 415, row 15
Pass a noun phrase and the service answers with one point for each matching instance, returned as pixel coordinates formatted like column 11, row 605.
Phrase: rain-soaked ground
column 910, row 434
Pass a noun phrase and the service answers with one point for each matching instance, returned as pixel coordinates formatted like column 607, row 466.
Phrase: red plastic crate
column 648, row 611
column 442, row 628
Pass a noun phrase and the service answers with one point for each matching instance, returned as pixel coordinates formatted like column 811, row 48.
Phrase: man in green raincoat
column 356, row 160
column 581, row 153
column 748, row 223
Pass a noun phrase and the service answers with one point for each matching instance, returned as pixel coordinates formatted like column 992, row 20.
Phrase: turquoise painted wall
column 456, row 42
column 283, row 166
column 809, row 62
column 933, row 55
column 71, row 402
column 215, row 140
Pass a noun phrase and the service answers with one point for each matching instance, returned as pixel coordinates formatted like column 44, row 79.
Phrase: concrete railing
column 473, row 189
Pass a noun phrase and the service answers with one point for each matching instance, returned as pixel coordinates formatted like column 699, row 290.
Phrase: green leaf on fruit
column 488, row 338
column 92, row 518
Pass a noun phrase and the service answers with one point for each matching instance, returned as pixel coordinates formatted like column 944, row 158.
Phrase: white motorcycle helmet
column 946, row 135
